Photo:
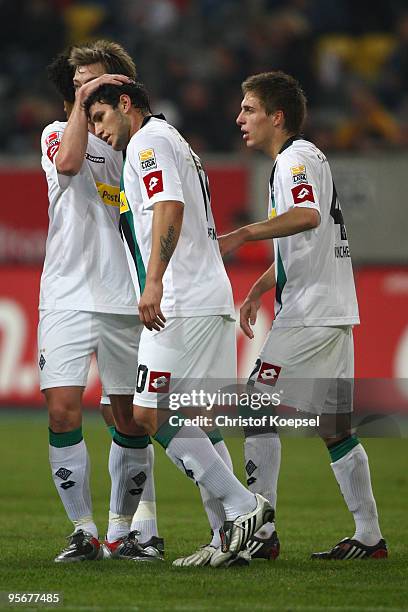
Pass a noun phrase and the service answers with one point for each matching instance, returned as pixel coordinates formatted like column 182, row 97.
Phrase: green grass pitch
column 311, row 516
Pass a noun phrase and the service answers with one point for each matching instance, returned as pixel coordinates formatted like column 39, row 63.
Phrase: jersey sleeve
column 155, row 159
column 299, row 182
column 50, row 143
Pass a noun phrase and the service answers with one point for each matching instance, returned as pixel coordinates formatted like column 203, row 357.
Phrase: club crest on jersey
column 268, row 374
column 52, row 143
column 302, row 193
column 147, row 159
column 159, row 382
column 299, row 174
column 153, row 183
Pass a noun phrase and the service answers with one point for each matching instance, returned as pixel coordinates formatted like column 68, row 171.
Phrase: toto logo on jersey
column 159, row 382
column 302, row 193
column 153, row 182
column 268, row 374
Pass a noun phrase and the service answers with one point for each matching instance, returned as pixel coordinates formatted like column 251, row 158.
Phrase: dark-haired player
column 186, row 301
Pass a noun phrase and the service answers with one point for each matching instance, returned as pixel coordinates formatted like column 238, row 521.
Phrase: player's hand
column 83, row 92
column 247, row 315
column 149, row 306
column 230, row 242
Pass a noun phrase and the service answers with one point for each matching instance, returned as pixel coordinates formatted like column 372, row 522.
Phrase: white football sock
column 262, row 465
column 127, row 468
column 352, row 472
column 213, row 506
column 70, row 468
column 193, row 449
column 145, row 518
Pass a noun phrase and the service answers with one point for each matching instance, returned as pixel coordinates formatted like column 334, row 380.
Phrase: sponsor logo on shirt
column 124, row 205
column 95, row 160
column 159, row 382
column 109, row 194
column 299, row 174
column 52, row 143
column 268, row 374
column 147, row 159
column 153, row 183
column 302, row 193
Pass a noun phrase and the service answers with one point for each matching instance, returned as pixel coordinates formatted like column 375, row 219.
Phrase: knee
column 64, row 414
column 145, row 418
column 64, row 408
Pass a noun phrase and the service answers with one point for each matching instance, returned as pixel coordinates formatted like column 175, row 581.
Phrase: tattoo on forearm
column 168, row 244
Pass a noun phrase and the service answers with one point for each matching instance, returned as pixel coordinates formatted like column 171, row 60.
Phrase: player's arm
column 73, row 145
column 166, row 228
column 252, row 303
column 294, row 221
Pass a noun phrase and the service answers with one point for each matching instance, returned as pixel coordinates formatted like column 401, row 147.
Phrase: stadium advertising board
column 381, row 350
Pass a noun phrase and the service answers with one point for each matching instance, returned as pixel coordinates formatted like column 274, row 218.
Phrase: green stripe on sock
column 130, row 441
column 166, row 432
column 215, row 436
column 111, row 429
column 67, row 438
column 339, row 450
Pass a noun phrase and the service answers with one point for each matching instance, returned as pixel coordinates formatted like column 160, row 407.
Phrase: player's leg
column 213, row 508
column 190, row 446
column 349, row 461
column 128, row 458
column 262, row 450
column 144, row 520
column 64, row 340
column 262, row 446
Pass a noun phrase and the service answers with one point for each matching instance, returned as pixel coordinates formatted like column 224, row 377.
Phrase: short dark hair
column 279, row 91
column 110, row 94
column 60, row 73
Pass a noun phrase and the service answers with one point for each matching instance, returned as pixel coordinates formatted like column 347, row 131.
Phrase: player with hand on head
column 310, row 346
column 186, row 303
column 87, row 301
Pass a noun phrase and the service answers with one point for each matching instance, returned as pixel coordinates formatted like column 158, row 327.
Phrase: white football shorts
column 311, row 368
column 68, row 338
column 189, row 353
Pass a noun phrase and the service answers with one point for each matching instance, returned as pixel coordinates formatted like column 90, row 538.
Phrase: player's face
column 84, row 74
column 111, row 125
column 256, row 126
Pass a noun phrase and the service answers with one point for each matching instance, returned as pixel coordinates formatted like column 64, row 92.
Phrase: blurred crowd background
column 351, row 57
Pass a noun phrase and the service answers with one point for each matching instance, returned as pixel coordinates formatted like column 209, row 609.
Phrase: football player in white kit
column 309, row 349
column 186, row 303
column 87, row 305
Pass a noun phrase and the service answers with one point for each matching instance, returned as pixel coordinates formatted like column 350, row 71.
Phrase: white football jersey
column 85, row 265
column 314, row 275
column 160, row 166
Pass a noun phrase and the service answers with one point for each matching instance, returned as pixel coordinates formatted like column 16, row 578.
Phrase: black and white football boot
column 353, row 549
column 264, row 548
column 154, row 548
column 82, row 546
column 213, row 556
column 127, row 547
column 236, row 534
